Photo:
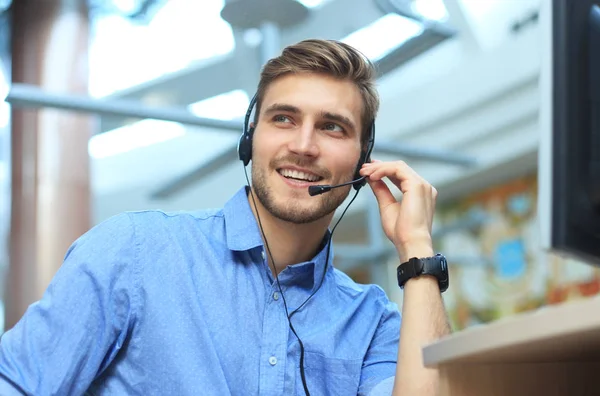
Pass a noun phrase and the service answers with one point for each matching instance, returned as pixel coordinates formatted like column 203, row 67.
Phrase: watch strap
column 435, row 266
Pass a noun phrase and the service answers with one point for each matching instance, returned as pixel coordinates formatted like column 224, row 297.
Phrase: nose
column 304, row 141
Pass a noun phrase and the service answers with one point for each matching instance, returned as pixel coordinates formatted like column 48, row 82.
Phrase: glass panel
column 140, row 134
column 124, row 54
column 227, row 106
column 312, row 3
column 430, row 9
column 383, row 35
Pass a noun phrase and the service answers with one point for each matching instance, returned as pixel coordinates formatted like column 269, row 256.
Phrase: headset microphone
column 317, row 190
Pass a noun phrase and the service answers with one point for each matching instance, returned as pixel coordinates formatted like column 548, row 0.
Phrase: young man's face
column 308, row 133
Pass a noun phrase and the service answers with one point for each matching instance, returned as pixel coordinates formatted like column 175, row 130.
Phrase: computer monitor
column 569, row 157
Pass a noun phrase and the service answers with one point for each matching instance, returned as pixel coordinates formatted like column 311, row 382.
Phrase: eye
column 281, row 118
column 330, row 126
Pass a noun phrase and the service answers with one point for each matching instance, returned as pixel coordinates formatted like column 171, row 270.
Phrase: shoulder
column 105, row 237
column 158, row 218
column 131, row 227
column 152, row 221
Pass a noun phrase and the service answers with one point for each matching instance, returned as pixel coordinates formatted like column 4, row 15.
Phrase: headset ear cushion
column 363, row 158
column 361, row 162
column 245, row 147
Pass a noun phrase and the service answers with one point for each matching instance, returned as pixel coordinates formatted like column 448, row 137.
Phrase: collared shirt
column 150, row 303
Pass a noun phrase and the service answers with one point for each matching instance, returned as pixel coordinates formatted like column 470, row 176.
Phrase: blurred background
column 117, row 105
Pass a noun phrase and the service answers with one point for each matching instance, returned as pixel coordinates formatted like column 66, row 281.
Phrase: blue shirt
column 150, row 303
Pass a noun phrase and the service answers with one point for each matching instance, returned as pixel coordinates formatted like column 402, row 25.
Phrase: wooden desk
column 552, row 351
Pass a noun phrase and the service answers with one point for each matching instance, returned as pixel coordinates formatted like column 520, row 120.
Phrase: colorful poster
column 497, row 267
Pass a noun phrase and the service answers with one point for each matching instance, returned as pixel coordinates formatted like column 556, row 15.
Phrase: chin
column 296, row 206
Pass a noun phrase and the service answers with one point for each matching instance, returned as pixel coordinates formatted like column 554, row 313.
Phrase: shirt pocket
column 329, row 376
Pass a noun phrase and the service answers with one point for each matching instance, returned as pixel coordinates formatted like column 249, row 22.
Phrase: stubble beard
column 292, row 211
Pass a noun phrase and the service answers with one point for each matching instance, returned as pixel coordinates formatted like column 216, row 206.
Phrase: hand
column 407, row 223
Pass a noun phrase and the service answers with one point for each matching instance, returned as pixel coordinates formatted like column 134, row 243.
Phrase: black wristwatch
column 436, row 266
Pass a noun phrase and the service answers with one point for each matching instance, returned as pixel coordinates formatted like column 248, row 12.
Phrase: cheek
column 346, row 160
column 261, row 149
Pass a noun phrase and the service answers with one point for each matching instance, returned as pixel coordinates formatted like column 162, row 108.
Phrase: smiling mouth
column 299, row 176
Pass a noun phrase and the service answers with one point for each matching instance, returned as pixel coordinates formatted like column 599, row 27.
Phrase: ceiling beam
column 413, row 47
column 25, row 95
column 459, row 19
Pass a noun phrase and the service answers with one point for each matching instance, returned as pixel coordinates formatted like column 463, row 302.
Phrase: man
column 244, row 300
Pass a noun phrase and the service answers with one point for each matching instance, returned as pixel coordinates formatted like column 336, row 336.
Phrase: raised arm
column 408, row 223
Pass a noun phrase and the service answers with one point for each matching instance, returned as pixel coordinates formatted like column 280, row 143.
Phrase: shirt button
column 272, row 360
column 262, row 254
column 275, row 296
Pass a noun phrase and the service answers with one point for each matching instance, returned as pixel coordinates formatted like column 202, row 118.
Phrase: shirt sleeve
column 65, row 340
column 379, row 366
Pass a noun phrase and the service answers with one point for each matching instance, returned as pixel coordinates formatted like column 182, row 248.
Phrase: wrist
column 425, row 281
column 419, row 249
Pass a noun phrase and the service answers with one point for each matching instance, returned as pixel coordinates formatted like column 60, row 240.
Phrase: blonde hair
column 328, row 57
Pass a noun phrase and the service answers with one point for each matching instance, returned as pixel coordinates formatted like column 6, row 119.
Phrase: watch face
column 442, row 273
column 445, row 282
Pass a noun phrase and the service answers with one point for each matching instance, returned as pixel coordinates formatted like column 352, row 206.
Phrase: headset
column 245, row 154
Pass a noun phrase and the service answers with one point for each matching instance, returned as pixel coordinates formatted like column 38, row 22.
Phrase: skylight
column 431, row 9
column 481, row 9
column 382, row 36
column 125, row 6
column 312, row 3
column 227, row 106
column 123, row 54
column 140, row 134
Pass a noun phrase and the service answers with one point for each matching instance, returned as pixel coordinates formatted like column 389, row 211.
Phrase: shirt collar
column 243, row 234
column 309, row 273
column 240, row 224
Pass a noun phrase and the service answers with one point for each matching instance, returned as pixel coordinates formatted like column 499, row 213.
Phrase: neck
column 289, row 243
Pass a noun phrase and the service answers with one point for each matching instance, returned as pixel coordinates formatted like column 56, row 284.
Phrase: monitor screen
column 569, row 157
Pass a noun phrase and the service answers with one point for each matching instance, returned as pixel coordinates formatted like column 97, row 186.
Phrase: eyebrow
column 282, row 107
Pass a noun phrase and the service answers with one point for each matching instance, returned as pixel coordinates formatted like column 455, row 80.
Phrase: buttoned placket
column 274, row 341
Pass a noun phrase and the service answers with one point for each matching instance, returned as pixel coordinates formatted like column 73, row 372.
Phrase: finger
column 398, row 172
column 384, row 168
column 382, row 193
column 374, row 165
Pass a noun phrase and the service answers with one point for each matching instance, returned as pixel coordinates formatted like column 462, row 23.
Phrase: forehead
column 316, row 93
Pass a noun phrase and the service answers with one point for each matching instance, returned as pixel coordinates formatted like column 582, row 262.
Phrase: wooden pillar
column 50, row 193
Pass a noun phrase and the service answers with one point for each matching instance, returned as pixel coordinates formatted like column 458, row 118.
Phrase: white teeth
column 298, row 175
